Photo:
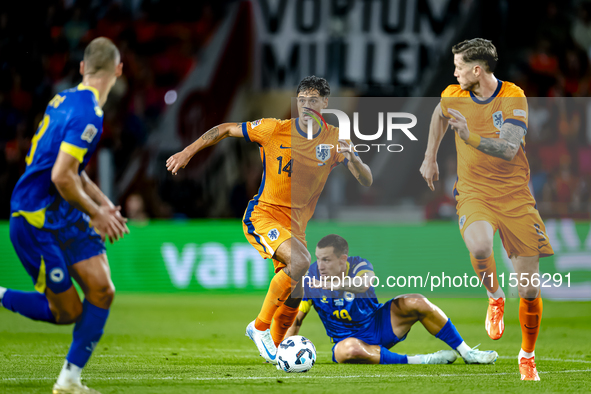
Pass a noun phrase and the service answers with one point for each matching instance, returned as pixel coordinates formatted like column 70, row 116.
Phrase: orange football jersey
column 479, row 174
column 295, row 170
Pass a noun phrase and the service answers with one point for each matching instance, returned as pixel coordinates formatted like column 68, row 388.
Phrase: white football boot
column 440, row 357
column 73, row 388
column 264, row 342
column 475, row 356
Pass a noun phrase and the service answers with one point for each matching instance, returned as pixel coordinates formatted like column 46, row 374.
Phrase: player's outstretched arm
column 437, row 128
column 211, row 137
column 106, row 219
column 358, row 168
column 504, row 147
column 297, row 324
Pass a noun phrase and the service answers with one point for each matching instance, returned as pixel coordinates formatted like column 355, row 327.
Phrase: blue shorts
column 47, row 254
column 379, row 332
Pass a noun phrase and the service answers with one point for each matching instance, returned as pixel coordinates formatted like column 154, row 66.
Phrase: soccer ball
column 296, row 354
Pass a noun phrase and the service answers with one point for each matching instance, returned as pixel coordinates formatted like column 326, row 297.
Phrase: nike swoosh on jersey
column 284, row 147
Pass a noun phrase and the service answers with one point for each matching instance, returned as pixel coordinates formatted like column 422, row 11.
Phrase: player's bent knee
column 300, row 263
column 419, row 304
column 102, row 296
column 69, row 314
column 350, row 349
column 413, row 304
column 481, row 250
column 529, row 292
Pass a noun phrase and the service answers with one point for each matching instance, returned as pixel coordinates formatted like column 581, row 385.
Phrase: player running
column 60, row 217
column 490, row 118
column 295, row 170
column 362, row 329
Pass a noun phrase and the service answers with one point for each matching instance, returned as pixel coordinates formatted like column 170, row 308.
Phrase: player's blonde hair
column 478, row 50
column 101, row 55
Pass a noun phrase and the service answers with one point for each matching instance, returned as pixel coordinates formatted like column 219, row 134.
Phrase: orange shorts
column 266, row 230
column 519, row 223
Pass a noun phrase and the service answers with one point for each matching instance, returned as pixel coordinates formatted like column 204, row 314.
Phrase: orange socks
column 530, row 315
column 279, row 290
column 486, row 267
column 282, row 321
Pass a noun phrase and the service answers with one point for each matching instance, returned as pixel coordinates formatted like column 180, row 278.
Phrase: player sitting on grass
column 363, row 329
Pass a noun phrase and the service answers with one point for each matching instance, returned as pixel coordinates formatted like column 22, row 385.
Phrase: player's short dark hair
column 314, row 83
column 478, row 50
column 100, row 55
column 339, row 244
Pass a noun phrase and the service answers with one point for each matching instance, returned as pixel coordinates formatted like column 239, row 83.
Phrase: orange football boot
column 527, row 369
column 494, row 324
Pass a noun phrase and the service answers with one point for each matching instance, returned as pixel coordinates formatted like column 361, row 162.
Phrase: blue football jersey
column 73, row 123
column 342, row 313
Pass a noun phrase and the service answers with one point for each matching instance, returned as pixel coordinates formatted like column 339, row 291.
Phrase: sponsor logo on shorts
column 56, row 275
column 324, row 300
column 255, row 123
column 462, row 221
column 339, row 302
column 273, row 234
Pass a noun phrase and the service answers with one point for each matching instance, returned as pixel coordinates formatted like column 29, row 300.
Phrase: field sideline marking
column 249, row 356
column 441, row 375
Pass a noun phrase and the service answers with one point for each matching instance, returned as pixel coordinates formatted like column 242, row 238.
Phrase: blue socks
column 450, row 335
column 29, row 304
column 388, row 357
column 87, row 333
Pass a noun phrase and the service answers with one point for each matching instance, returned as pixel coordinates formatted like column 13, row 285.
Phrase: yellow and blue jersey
column 73, row 123
column 343, row 314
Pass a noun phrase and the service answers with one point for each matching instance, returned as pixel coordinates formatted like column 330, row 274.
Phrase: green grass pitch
column 196, row 343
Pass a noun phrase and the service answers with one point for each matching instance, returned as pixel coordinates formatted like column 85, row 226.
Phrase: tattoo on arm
column 211, row 135
column 507, row 145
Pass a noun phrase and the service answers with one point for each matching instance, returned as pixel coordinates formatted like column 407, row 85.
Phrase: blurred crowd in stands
column 40, row 53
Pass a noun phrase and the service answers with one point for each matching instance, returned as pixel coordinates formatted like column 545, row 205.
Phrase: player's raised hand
column 430, row 172
column 177, row 161
column 109, row 222
column 459, row 124
column 346, row 149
